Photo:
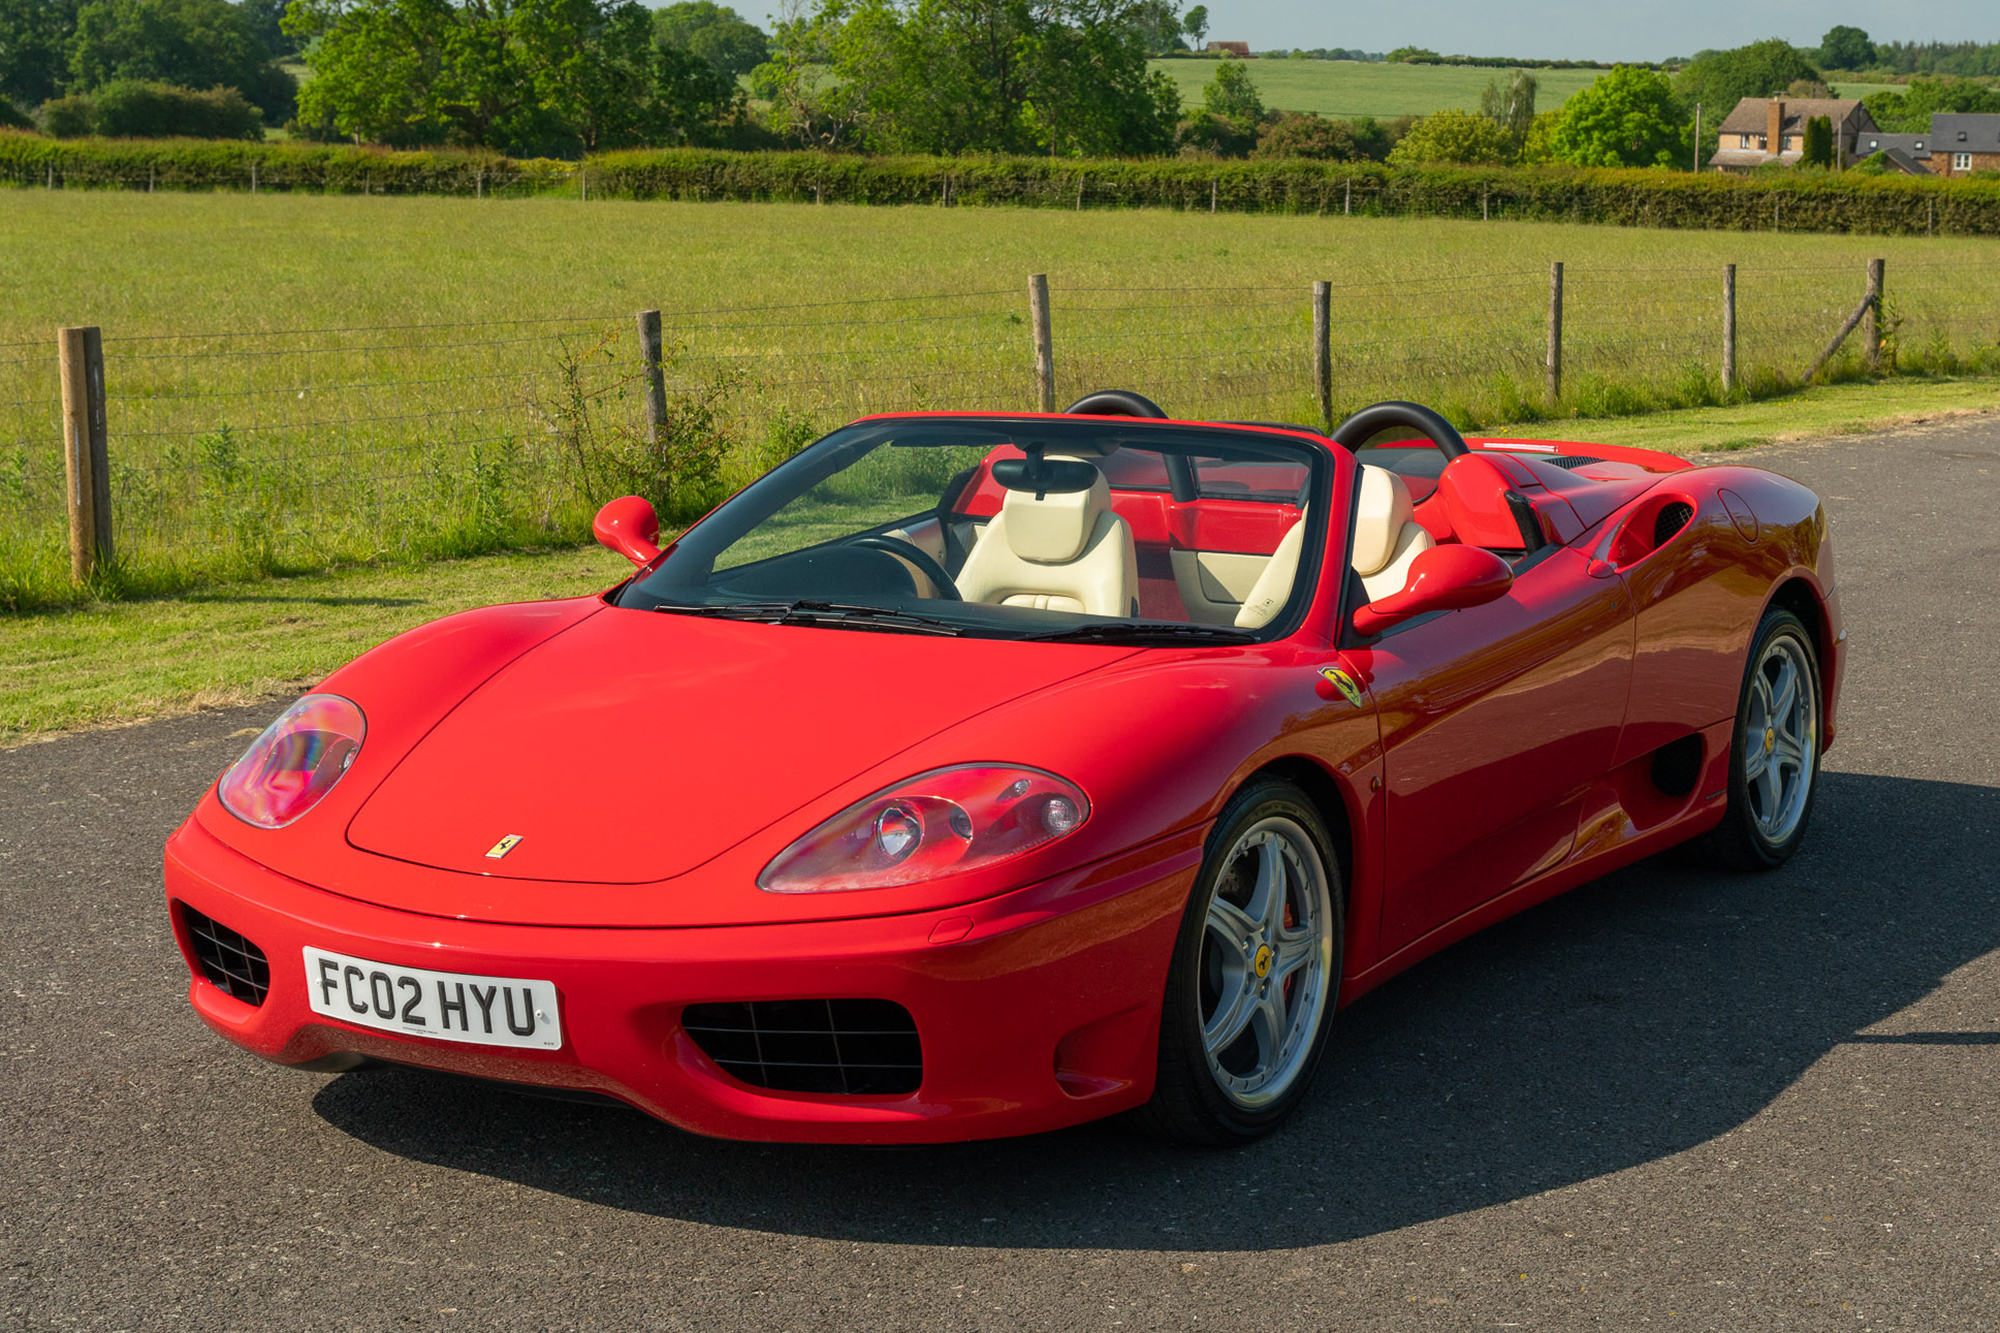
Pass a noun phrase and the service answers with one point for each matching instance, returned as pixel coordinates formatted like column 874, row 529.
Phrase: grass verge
column 105, row 663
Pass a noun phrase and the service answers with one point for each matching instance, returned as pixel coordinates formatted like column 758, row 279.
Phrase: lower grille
column 855, row 1047
column 232, row 964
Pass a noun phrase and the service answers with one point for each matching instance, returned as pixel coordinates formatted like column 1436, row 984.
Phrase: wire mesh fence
column 239, row 453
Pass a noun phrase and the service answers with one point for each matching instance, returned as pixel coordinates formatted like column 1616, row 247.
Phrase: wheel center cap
column 1770, row 739
column 1262, row 962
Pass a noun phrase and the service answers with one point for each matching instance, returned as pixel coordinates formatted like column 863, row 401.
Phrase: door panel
column 1496, row 720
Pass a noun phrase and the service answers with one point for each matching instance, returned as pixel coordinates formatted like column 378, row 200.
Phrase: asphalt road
column 1672, row 1099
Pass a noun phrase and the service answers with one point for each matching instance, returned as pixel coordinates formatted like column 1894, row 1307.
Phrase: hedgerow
column 1789, row 201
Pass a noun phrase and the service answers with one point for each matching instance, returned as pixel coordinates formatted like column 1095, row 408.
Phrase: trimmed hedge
column 1783, row 201
column 204, row 164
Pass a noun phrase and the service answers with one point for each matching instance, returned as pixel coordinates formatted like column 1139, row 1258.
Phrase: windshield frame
column 661, row 584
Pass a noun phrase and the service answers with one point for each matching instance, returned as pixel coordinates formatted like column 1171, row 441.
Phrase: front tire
column 1255, row 975
column 1774, row 752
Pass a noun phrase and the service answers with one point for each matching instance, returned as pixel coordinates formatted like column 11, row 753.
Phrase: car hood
column 639, row 745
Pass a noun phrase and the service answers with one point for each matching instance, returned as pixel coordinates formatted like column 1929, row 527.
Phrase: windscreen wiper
column 1166, row 633
column 805, row 611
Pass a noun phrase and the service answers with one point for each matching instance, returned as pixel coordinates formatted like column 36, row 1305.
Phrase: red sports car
column 979, row 774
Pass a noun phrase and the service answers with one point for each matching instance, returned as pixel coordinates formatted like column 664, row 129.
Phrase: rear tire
column 1255, row 975
column 1773, row 752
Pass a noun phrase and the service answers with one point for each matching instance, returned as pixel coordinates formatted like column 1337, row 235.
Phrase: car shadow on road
column 1627, row 1021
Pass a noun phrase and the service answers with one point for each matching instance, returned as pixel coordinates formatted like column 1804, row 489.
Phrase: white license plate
column 449, row 1006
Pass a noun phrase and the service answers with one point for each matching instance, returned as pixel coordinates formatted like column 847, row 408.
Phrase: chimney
column 1774, row 125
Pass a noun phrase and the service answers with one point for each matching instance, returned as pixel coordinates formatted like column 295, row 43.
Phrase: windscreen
column 1010, row 528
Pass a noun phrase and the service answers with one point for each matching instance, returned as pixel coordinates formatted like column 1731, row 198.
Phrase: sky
column 1583, row 29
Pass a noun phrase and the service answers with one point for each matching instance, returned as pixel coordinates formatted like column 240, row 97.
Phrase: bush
column 1303, row 134
column 11, row 119
column 1453, row 137
column 1205, row 135
column 66, row 117
column 129, row 109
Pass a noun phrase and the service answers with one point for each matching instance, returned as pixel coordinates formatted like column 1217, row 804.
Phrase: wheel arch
column 1801, row 597
column 1328, row 798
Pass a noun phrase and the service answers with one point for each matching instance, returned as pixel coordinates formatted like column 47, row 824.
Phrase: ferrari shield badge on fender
column 1343, row 682
column 502, row 847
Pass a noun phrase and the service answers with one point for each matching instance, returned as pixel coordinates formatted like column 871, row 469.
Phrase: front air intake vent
column 1572, row 462
column 1671, row 520
column 230, row 963
column 850, row 1047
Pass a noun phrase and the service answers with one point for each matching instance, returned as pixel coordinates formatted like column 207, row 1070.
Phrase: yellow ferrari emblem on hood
column 502, row 847
column 1343, row 682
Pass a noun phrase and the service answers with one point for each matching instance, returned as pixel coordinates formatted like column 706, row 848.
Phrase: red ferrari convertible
column 979, row 774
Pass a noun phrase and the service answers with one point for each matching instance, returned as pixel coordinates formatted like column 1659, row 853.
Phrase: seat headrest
column 1054, row 529
column 1379, row 518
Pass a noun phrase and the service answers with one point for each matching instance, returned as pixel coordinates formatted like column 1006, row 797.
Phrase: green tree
column 1816, row 142
column 1195, row 24
column 1910, row 111
column 716, row 34
column 267, row 20
column 1846, row 48
column 1066, row 77
column 1452, row 137
column 1511, row 107
column 189, row 43
column 1411, row 55
column 1303, row 134
column 1232, row 94
column 1718, row 80
column 1537, row 145
column 34, row 60
column 1159, row 25
column 1628, row 118
column 521, row 76
column 11, row 118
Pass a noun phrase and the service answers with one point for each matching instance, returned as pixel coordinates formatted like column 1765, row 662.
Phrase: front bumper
column 1036, row 1009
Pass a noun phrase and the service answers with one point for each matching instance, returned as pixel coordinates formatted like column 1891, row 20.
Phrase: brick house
column 1957, row 145
column 1766, row 130
column 1241, row 50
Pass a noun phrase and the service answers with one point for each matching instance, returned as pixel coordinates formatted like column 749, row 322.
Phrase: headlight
column 938, row 823
column 295, row 762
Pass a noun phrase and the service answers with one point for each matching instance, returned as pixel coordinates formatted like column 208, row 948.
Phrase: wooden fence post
column 1555, row 353
column 1728, row 328
column 1045, row 355
column 80, row 353
column 1871, row 324
column 1323, row 351
column 1347, row 197
column 655, row 371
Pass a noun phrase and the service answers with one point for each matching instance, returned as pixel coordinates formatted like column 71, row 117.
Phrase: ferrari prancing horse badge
column 1344, row 683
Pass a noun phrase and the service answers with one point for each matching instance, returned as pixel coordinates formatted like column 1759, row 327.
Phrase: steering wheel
column 1369, row 422
column 916, row 555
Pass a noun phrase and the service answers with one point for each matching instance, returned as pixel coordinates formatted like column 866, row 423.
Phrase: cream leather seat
column 1387, row 537
column 1064, row 552
column 1274, row 586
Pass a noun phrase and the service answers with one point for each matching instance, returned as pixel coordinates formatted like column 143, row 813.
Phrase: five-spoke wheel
column 1774, row 757
column 1255, row 973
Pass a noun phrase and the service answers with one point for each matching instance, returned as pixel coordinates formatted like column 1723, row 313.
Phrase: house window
column 1874, row 143
column 1961, row 161
column 1762, row 142
column 1742, row 141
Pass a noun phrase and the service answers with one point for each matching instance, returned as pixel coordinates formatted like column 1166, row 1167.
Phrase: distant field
column 1348, row 88
column 300, row 381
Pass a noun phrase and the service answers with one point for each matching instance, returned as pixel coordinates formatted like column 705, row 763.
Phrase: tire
column 1237, row 922
column 1773, row 752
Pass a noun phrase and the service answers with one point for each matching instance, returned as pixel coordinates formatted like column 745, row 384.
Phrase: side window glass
column 1261, row 480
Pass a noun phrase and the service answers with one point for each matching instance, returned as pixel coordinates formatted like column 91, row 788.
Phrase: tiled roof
column 1912, row 145
column 1964, row 133
column 1752, row 113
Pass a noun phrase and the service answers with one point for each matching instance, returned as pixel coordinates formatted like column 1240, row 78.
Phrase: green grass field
column 1344, row 89
column 112, row 662
column 301, row 382
column 1347, row 88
